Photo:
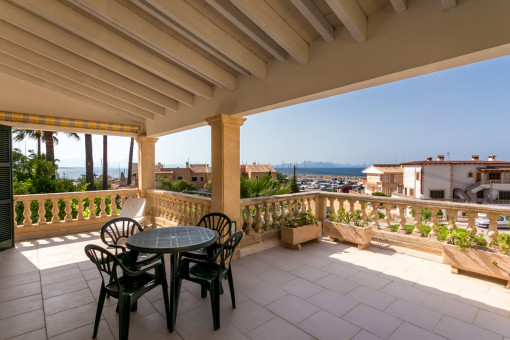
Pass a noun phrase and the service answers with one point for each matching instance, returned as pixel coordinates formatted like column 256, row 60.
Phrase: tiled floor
column 48, row 289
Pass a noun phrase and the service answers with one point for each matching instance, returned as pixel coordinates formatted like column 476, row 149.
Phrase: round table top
column 171, row 239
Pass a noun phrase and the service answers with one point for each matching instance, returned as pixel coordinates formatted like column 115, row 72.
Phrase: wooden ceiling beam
column 315, row 18
column 200, row 26
column 351, row 15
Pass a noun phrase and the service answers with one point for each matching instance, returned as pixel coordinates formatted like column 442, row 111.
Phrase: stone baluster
column 14, row 214
column 387, row 217
column 433, row 221
column 102, row 206
column 68, row 209
column 113, row 211
column 452, row 214
column 296, row 208
column 308, row 204
column 41, row 212
column 258, row 227
column 152, row 210
column 332, row 206
column 267, row 216
column 402, row 219
column 27, row 213
column 54, row 211
column 80, row 216
column 197, row 216
column 417, row 221
column 190, row 213
column 363, row 208
column 165, row 203
column 177, row 207
column 471, row 215
column 493, row 226
column 375, row 216
column 92, row 208
column 249, row 220
column 274, row 217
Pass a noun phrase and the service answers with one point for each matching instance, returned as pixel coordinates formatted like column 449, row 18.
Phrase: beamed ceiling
column 166, row 65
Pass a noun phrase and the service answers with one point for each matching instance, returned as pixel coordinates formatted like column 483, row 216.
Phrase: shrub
column 378, row 193
column 463, row 239
column 303, row 219
column 502, row 242
column 345, row 217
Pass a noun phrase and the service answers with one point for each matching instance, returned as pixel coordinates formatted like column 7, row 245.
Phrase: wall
column 410, row 181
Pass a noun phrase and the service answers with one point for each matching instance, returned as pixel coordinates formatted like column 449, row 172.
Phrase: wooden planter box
column 344, row 232
column 477, row 261
column 293, row 237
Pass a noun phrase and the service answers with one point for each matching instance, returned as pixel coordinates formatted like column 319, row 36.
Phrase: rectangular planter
column 477, row 261
column 293, row 237
column 349, row 233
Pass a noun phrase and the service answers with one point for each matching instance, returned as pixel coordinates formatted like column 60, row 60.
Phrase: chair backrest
column 134, row 208
column 218, row 222
column 119, row 229
column 228, row 248
column 105, row 261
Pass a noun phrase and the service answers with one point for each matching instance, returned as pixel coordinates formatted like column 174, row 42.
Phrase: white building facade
column 472, row 181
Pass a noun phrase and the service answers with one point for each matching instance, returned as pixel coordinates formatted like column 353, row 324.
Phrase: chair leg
column 215, row 303
column 100, row 303
column 231, row 286
column 165, row 298
column 124, row 306
column 203, row 291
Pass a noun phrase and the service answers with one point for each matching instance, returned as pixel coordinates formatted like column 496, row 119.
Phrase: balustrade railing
column 184, row 209
column 40, row 213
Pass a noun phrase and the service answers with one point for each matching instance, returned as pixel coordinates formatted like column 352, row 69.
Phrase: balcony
column 326, row 290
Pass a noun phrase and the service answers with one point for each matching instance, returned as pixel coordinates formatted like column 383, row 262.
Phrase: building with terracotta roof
column 194, row 173
column 257, row 170
column 470, row 180
column 385, row 178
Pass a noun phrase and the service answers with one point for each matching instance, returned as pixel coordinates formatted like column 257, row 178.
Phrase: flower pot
column 293, row 237
column 344, row 232
column 477, row 261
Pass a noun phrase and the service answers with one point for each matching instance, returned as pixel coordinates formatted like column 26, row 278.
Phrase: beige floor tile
column 408, row 331
column 263, row 293
column 309, row 273
column 292, row 308
column 276, row 276
column 405, row 292
column 246, row 317
column 17, row 292
column 17, row 280
column 149, row 327
column 414, row 313
column 301, row 288
column 21, row 324
column 63, row 287
column 451, row 307
column 455, row 329
column 39, row 334
column 144, row 308
column 370, row 280
column 339, row 269
column 337, row 284
column 279, row 329
column 20, row 306
column 90, row 274
column 371, row 297
column 70, row 319
column 372, row 320
column 493, row 322
column 364, row 335
column 85, row 333
column 333, row 302
column 67, row 301
column 323, row 325
column 62, row 275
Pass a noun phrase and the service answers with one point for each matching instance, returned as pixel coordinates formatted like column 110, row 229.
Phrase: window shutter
column 6, row 202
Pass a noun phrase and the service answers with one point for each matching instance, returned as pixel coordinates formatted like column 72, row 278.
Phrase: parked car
column 483, row 222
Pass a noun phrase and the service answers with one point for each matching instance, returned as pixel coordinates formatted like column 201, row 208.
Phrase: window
column 179, row 177
column 194, row 178
column 388, row 178
column 437, row 194
column 417, row 176
column 257, row 177
column 411, row 192
column 504, row 195
column 494, row 175
column 470, row 174
column 201, row 178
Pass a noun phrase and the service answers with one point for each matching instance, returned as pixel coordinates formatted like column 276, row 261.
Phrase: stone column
column 225, row 163
column 146, row 164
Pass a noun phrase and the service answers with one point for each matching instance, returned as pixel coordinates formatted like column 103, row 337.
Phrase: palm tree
column 49, row 138
column 105, row 162
column 89, row 163
column 21, row 134
column 130, row 162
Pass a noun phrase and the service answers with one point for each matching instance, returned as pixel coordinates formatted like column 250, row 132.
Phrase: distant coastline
column 341, row 172
column 77, row 172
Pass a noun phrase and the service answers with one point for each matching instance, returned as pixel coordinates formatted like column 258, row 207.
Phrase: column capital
column 143, row 139
column 225, row 120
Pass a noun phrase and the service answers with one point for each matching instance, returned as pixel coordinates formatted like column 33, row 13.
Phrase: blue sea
column 77, row 172
column 352, row 172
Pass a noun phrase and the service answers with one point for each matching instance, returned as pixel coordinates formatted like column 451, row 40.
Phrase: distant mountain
column 323, row 165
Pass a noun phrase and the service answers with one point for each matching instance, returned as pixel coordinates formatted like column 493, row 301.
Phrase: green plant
column 346, row 217
column 425, row 214
column 303, row 218
column 381, row 215
column 463, row 239
column 179, row 186
column 502, row 242
column 378, row 193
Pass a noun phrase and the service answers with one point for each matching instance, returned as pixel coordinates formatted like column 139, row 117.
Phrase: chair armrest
column 116, row 247
column 157, row 266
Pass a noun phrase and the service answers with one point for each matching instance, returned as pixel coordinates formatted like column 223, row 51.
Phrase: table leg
column 174, row 258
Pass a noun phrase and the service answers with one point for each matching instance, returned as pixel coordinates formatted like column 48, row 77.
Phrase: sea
column 352, row 172
column 77, row 172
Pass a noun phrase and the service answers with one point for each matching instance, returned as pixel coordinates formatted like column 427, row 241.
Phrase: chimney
column 429, row 159
column 475, row 157
column 187, row 165
column 492, row 158
column 440, row 157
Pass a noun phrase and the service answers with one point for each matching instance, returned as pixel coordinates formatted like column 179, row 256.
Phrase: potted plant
column 350, row 227
column 465, row 251
column 303, row 228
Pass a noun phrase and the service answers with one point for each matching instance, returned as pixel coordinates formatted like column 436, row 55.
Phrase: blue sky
column 461, row 111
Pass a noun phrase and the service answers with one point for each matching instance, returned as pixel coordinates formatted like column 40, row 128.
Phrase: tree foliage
column 260, row 187
column 179, row 186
